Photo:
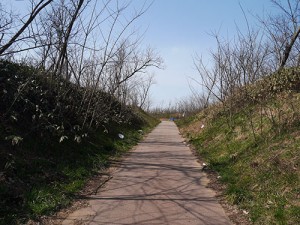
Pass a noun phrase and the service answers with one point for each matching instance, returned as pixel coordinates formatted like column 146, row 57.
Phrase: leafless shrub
column 91, row 44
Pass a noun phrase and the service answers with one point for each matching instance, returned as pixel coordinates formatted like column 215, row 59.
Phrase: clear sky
column 178, row 29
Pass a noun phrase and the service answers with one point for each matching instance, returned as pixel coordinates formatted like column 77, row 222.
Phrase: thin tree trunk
column 288, row 49
column 63, row 52
column 33, row 14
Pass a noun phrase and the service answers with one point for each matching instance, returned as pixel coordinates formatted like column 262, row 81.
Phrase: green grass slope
column 253, row 142
column 46, row 155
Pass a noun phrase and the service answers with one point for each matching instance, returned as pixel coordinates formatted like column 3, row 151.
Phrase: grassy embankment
column 46, row 157
column 253, row 142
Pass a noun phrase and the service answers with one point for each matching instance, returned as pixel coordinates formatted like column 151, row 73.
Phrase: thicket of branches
column 248, row 57
column 92, row 43
column 88, row 45
column 252, row 55
column 256, row 64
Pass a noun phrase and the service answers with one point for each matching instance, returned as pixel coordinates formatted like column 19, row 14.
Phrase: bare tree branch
column 35, row 11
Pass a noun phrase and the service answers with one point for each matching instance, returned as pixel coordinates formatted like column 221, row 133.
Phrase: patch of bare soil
column 236, row 215
column 194, row 128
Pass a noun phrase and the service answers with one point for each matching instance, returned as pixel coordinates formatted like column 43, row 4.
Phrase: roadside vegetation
column 256, row 156
column 46, row 156
column 247, row 129
column 69, row 103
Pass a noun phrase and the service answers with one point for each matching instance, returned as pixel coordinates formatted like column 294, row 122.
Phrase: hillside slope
column 53, row 137
column 253, row 142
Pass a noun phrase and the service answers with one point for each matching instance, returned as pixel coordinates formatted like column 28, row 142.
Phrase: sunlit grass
column 261, row 172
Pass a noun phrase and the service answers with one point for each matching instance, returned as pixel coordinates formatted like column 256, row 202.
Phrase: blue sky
column 179, row 29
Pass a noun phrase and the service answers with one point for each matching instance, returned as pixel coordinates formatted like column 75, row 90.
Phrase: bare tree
column 283, row 31
column 15, row 37
column 96, row 49
column 128, row 62
column 139, row 92
column 6, row 22
column 62, row 57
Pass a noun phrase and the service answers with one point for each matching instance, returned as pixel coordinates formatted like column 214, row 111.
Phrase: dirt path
column 159, row 183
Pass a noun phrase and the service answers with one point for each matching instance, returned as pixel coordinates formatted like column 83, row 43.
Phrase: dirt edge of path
column 236, row 215
column 93, row 185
